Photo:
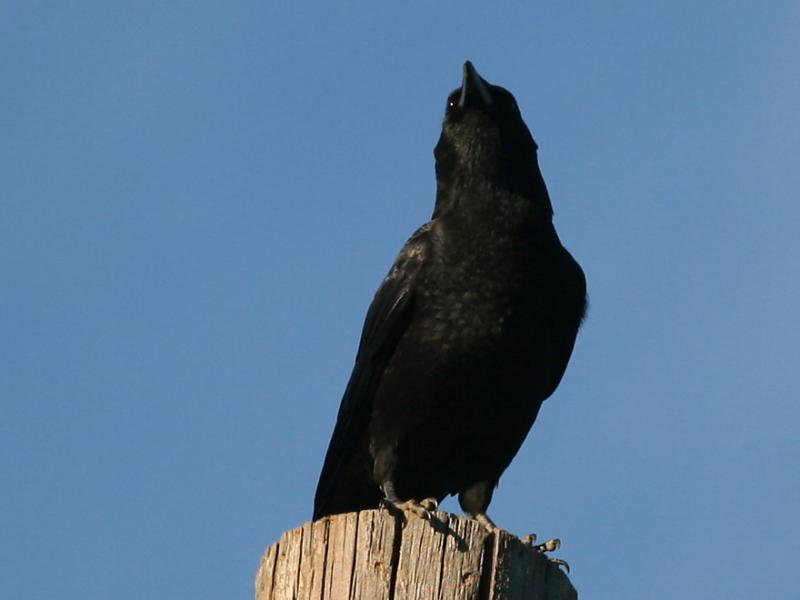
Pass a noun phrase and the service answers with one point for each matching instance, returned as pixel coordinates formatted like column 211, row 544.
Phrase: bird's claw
column 487, row 523
column 429, row 504
column 423, row 509
column 392, row 507
column 561, row 563
column 549, row 545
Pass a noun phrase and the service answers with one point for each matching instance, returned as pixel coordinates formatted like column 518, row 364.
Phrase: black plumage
column 470, row 331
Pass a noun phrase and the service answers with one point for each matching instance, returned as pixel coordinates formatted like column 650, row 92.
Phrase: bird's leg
column 484, row 520
column 475, row 499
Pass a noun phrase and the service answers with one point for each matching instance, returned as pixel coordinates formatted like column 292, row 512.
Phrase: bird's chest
column 478, row 296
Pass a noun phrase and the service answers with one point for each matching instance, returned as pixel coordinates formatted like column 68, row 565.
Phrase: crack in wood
column 371, row 556
column 397, row 542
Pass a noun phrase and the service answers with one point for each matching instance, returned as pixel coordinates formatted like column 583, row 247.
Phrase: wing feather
column 387, row 320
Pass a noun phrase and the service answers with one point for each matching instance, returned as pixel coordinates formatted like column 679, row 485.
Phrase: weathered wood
column 373, row 555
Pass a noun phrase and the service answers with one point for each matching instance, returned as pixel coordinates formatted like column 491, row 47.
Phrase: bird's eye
column 452, row 101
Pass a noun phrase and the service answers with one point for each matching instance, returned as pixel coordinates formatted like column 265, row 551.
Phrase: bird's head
column 484, row 139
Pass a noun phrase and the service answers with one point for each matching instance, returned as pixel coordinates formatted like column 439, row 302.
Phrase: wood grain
column 374, row 555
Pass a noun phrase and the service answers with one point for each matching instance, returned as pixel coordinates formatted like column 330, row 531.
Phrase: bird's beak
column 474, row 88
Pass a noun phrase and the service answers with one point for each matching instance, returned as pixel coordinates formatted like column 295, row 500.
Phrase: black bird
column 469, row 332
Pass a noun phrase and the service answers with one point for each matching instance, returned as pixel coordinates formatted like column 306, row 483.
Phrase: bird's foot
column 430, row 504
column 560, row 562
column 424, row 509
column 487, row 523
column 548, row 546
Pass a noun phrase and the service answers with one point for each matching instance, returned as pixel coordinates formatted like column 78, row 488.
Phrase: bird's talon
column 392, row 509
column 529, row 540
column 412, row 506
column 487, row 523
column 549, row 545
column 429, row 504
column 560, row 563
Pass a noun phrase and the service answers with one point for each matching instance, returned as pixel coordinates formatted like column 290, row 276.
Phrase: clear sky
column 198, row 200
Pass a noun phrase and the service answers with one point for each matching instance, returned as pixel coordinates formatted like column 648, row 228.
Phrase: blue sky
column 198, row 200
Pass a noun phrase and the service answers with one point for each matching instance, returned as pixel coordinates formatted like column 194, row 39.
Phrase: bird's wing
column 387, row 319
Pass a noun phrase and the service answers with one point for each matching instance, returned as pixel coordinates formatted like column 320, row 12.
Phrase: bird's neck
column 484, row 200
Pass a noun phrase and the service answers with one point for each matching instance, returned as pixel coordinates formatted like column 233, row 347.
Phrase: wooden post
column 373, row 555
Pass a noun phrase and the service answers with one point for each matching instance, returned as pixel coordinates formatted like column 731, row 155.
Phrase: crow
column 468, row 334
